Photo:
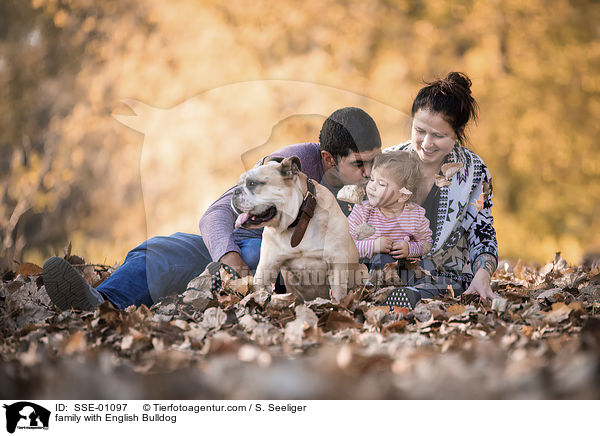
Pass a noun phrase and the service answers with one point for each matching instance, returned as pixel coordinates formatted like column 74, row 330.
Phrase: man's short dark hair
column 349, row 130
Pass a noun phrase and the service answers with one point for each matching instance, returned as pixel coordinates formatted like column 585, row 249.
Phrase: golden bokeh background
column 124, row 119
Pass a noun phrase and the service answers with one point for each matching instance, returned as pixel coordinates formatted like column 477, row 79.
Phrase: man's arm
column 216, row 227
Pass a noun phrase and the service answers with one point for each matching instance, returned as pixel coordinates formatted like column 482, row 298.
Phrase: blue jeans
column 164, row 265
column 378, row 260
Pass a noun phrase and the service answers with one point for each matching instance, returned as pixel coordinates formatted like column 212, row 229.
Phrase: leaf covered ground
column 541, row 339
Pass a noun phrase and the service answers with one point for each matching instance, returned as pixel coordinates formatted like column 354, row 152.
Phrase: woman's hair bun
column 450, row 96
column 456, row 79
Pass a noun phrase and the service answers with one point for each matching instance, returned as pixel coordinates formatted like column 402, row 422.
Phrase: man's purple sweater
column 217, row 223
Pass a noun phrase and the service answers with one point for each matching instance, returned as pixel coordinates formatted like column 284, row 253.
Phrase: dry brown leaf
column 559, row 312
column 441, row 181
column 375, row 314
column 527, row 330
column 75, row 343
column 395, row 326
column 26, row 269
column 228, row 300
column 294, row 330
column 281, row 301
column 364, row 231
column 519, row 270
column 352, row 193
column 213, row 318
column 337, row 321
column 242, row 285
column 456, row 309
column 451, row 168
column 499, row 304
column 479, row 202
column 448, row 171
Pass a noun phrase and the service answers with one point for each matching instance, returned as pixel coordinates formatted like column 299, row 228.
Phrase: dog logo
column 26, row 415
column 200, row 146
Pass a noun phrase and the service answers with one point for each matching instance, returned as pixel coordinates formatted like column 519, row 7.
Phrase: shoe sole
column 66, row 288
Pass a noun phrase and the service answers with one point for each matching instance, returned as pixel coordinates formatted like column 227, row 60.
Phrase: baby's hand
column 382, row 245
column 399, row 249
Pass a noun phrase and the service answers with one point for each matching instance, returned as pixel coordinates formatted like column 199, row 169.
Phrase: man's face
column 355, row 168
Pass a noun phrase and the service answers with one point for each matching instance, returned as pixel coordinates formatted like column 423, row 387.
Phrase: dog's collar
column 307, row 209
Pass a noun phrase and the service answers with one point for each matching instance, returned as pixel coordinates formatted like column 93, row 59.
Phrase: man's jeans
column 164, row 265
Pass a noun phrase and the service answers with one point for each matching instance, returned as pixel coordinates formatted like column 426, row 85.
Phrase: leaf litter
column 539, row 339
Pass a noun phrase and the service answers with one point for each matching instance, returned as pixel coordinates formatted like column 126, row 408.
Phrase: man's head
column 349, row 141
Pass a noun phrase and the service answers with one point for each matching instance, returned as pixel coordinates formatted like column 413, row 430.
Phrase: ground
column 540, row 340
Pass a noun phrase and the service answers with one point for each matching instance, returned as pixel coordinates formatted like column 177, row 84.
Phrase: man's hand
column 234, row 260
column 399, row 250
column 382, row 245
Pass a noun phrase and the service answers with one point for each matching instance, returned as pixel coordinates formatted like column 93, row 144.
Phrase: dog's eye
column 253, row 183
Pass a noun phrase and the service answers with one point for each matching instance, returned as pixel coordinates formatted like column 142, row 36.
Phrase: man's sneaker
column 67, row 288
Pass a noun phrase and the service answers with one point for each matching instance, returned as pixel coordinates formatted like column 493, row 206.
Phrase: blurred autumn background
column 211, row 85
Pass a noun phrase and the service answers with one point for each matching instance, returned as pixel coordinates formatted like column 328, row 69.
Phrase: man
column 349, row 141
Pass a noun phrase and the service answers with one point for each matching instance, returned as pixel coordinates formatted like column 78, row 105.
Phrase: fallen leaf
column 242, row 285
column 448, row 171
column 352, row 193
column 559, row 312
column 395, row 326
column 479, row 202
column 456, row 309
column 499, row 304
column 364, row 231
column 294, row 330
column 75, row 343
column 451, row 168
column 374, row 315
column 441, row 181
column 213, row 318
column 228, row 300
column 27, row 269
column 281, row 301
column 337, row 321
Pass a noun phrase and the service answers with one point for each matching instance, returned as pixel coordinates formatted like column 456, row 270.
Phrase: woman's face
column 432, row 136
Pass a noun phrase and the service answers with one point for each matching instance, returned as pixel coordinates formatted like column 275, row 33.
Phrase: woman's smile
column 432, row 136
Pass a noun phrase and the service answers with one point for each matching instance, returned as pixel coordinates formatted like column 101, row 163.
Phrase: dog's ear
column 267, row 159
column 289, row 167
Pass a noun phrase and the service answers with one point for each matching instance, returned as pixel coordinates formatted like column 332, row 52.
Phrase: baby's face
column 382, row 190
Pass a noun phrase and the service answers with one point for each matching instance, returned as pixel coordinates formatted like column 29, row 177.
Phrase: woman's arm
column 481, row 237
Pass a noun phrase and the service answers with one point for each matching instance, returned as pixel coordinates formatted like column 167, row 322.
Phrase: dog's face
column 268, row 195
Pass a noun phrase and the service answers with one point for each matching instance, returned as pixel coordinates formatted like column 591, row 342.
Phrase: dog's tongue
column 241, row 219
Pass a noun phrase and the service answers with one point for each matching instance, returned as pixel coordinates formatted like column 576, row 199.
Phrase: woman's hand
column 399, row 250
column 382, row 245
column 485, row 267
column 481, row 285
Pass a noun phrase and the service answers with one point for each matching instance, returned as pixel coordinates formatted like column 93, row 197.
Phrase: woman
column 459, row 207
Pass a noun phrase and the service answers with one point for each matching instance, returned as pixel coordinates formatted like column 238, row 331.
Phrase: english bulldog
column 306, row 235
